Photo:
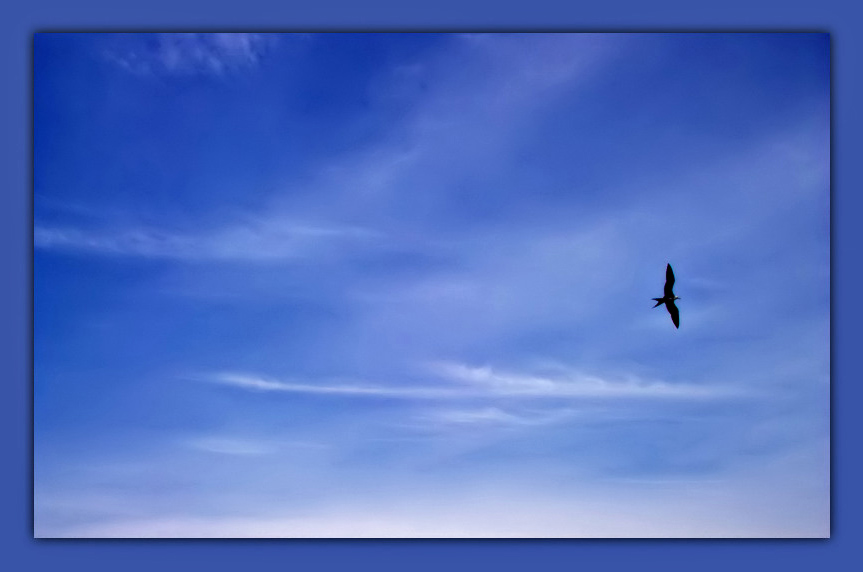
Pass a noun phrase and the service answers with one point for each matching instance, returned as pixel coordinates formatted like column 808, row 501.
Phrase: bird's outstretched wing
column 675, row 314
column 669, row 282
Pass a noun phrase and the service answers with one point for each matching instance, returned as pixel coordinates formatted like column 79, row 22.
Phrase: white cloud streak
column 496, row 417
column 256, row 383
column 244, row 446
column 257, row 241
column 230, row 446
column 485, row 382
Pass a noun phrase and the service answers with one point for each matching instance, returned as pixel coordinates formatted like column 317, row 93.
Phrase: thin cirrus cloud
column 495, row 417
column 191, row 53
column 385, row 169
column 467, row 382
column 258, row 241
column 230, row 446
column 245, row 447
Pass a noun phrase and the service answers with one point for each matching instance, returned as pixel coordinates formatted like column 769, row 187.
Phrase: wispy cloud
column 257, row 383
column 479, row 382
column 192, row 53
column 230, row 446
column 245, row 446
column 267, row 239
column 497, row 417
column 575, row 384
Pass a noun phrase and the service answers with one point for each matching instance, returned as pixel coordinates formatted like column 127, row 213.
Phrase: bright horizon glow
column 399, row 285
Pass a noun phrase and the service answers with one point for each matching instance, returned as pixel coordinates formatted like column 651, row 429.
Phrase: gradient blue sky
column 399, row 285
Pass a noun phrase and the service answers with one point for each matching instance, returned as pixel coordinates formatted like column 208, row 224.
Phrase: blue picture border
column 21, row 20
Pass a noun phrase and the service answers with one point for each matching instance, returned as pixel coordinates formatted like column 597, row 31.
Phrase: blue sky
column 399, row 285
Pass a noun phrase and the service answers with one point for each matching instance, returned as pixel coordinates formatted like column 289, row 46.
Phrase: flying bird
column 668, row 297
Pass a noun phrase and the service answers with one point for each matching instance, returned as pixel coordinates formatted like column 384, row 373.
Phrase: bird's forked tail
column 659, row 302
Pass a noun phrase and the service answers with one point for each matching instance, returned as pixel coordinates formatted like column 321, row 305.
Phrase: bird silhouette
column 668, row 297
